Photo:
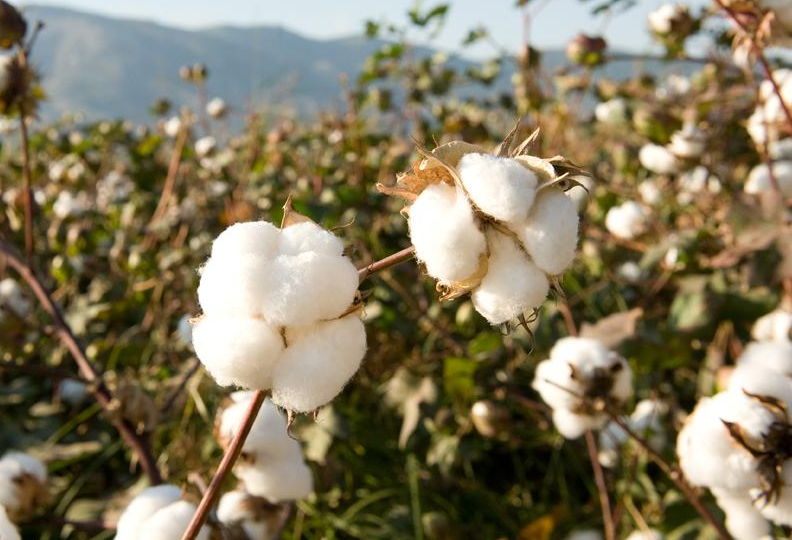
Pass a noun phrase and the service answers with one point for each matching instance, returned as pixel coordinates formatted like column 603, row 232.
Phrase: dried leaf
column 504, row 148
column 540, row 166
column 292, row 216
column 613, row 329
column 449, row 154
column 526, row 145
column 454, row 289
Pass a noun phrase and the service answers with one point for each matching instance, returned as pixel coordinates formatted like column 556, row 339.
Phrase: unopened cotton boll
column 317, row 363
column 268, row 437
column 658, row 159
column 743, row 519
column 775, row 326
column 773, row 355
column 444, row 233
column 237, row 351
column 513, row 284
column 611, row 112
column 204, row 145
column 216, row 108
column 627, row 220
column 8, row 530
column 170, row 523
column 500, row 187
column 550, row 233
column 760, row 181
column 241, row 508
column 284, row 480
column 143, row 506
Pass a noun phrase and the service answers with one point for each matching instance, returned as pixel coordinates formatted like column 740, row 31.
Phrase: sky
column 552, row 22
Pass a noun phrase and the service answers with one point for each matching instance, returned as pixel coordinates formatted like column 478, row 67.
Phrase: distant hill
column 105, row 67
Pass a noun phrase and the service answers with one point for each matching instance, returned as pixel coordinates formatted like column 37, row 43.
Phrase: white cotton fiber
column 627, row 220
column 8, row 530
column 142, row 507
column 759, row 180
column 775, row 326
column 234, row 286
column 317, row 363
column 550, row 233
column 707, row 453
column 257, row 238
column 307, row 236
column 268, row 435
column 658, row 159
column 651, row 534
column 500, row 187
column 444, row 233
column 308, row 287
column 235, row 508
column 644, row 420
column 170, row 522
column 779, row 511
column 572, row 425
column 743, row 519
column 689, row 142
column 283, row 480
column 774, row 355
column 240, row 352
column 513, row 284
column 22, row 481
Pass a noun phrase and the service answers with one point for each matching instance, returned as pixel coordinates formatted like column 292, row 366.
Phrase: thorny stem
column 602, row 488
column 235, row 448
column 137, row 443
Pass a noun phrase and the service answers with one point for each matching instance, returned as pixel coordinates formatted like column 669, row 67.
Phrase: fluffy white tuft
column 234, row 508
column 775, row 326
column 268, row 437
column 779, row 510
column 658, row 159
column 513, row 284
column 8, row 530
column 444, row 233
column 743, row 519
column 773, row 355
column 170, row 522
column 500, row 187
column 257, row 238
column 550, row 233
column 760, row 181
column 284, row 480
column 626, row 220
column 142, row 507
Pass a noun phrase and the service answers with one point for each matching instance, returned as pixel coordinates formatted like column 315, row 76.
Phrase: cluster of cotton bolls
column 686, row 144
column 69, row 167
column 23, row 487
column 70, row 205
column 696, row 181
column 280, row 313
column 579, row 381
column 158, row 513
column 736, row 442
column 271, row 469
column 498, row 226
column 645, row 420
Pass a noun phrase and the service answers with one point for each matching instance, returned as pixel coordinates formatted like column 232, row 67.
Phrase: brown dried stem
column 602, row 488
column 27, row 175
column 173, row 171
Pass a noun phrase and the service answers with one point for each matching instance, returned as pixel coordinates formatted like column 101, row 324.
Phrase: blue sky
column 553, row 21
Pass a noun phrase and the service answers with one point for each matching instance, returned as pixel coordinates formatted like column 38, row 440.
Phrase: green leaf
column 458, row 378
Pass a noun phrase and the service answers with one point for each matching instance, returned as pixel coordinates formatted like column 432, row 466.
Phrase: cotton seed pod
column 513, row 284
column 8, row 530
column 444, row 233
column 13, row 26
column 23, row 484
column 550, row 233
column 256, row 516
column 489, row 419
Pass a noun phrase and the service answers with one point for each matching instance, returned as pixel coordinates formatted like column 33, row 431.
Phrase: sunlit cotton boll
column 661, row 20
column 170, row 523
column 626, row 220
column 774, row 355
column 658, row 159
column 500, row 187
column 513, row 284
column 688, row 143
column 611, row 112
column 23, row 480
column 444, row 233
column 268, row 437
column 550, row 233
column 317, row 363
column 708, row 455
column 580, row 373
column 8, row 530
column 743, row 519
column 760, row 181
column 250, row 513
column 775, row 326
column 284, row 480
column 142, row 507
column 205, row 145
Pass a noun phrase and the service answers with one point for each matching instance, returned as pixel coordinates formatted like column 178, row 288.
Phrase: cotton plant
column 280, row 313
column 646, row 420
column 158, row 513
column 627, row 220
column 580, row 381
column 760, row 178
column 496, row 225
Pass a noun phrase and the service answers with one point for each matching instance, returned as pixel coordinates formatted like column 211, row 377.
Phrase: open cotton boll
column 759, row 180
column 500, row 187
column 651, row 534
column 170, row 523
column 268, row 435
column 11, row 297
column 658, row 159
column 708, row 455
column 308, row 287
column 23, row 480
column 8, row 530
column 317, row 363
column 775, row 326
column 513, row 284
column 240, row 508
column 234, row 287
column 773, row 355
column 204, row 145
column 142, row 507
column 258, row 238
column 612, row 112
column 743, row 519
column 779, row 511
column 688, row 143
column 239, row 352
column 649, row 192
column 572, row 425
column 626, row 220
column 282, row 480
column 587, row 534
column 550, row 233
column 307, row 236
column 444, row 233
column 216, row 108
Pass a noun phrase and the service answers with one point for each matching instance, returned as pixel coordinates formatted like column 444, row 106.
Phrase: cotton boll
column 630, row 272
column 500, row 187
column 307, row 236
column 444, row 233
column 240, row 352
column 779, row 511
column 627, row 220
column 588, row 534
column 775, row 326
column 658, row 159
column 759, row 180
column 649, row 192
column 513, row 284
column 142, row 507
column 612, row 112
column 172, row 126
column 317, row 363
column 773, row 355
column 288, row 480
column 256, row 238
column 688, row 143
column 661, row 20
column 268, row 437
column 651, row 534
column 308, row 287
column 572, row 425
column 170, row 523
column 550, row 234
column 743, row 519
column 234, row 287
column 8, row 530
column 216, row 108
column 11, row 297
column 240, row 508
column 205, row 145
column 23, row 480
